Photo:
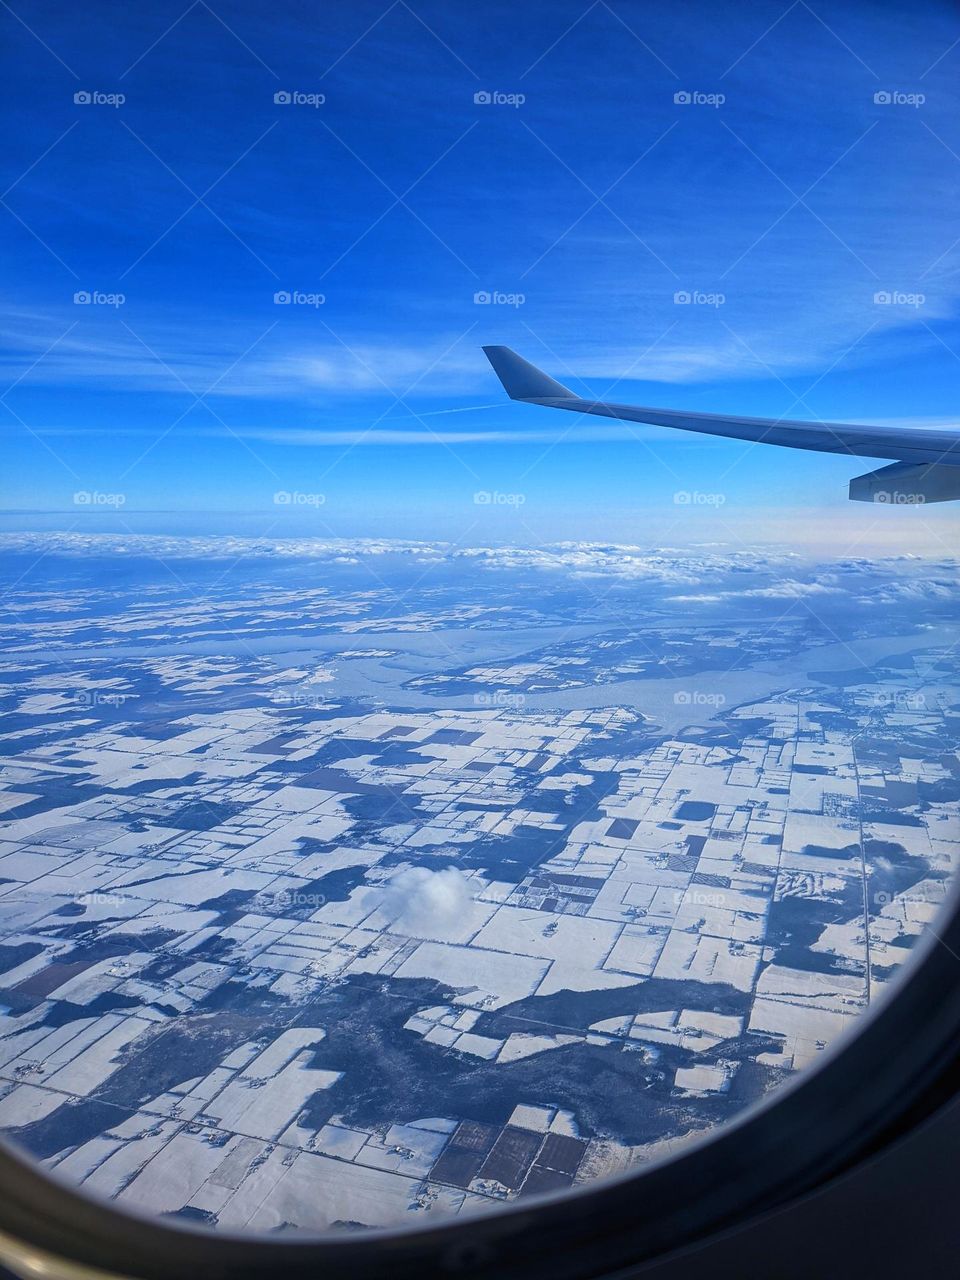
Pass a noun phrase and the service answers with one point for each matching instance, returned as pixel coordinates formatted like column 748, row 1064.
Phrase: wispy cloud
column 163, row 360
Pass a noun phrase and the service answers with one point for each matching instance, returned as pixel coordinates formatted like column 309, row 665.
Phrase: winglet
column 523, row 380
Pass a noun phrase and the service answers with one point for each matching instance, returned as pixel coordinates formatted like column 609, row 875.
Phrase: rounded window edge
column 887, row 1074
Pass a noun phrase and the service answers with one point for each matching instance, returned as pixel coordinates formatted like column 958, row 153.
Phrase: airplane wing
column 927, row 463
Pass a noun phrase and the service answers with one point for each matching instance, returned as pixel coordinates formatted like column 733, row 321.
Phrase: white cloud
column 422, row 902
column 788, row 589
column 426, row 435
column 765, row 574
column 221, row 359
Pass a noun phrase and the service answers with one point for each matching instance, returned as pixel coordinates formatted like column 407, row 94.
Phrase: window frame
column 898, row 1066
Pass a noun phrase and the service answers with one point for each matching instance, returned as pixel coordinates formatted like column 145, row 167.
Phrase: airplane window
column 480, row 618
column 456, row 879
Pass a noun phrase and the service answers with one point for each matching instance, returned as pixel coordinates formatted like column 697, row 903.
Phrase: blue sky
column 785, row 188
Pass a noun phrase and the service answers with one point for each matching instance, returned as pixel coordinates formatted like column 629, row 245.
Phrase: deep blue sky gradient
column 598, row 199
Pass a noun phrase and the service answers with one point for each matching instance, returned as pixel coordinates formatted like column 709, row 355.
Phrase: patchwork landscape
column 341, row 884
